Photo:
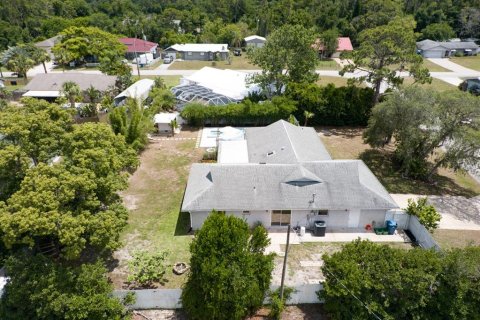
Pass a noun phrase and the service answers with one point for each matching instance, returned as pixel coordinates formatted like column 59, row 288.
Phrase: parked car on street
column 471, row 85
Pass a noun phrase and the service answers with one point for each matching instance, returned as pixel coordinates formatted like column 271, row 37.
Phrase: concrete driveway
column 452, row 66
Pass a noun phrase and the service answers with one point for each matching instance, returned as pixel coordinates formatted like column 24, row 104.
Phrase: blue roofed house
column 284, row 175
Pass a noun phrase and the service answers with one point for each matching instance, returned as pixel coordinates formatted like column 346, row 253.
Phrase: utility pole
column 136, row 55
column 284, row 264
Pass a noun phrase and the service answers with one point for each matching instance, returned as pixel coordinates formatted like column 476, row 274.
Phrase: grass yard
column 170, row 81
column 337, row 81
column 327, row 64
column 153, row 198
column 448, row 239
column 347, row 143
column 436, row 84
column 472, row 62
column 238, row 63
column 433, row 67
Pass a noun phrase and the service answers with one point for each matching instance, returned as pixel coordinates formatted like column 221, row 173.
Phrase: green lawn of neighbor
column 327, row 64
column 436, row 84
column 238, row 63
column 448, row 239
column 170, row 81
column 433, row 67
column 472, row 62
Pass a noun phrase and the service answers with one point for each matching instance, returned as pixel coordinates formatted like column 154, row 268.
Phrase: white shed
column 255, row 41
column 138, row 90
column 163, row 120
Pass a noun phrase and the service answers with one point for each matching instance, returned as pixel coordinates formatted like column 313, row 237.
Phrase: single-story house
column 344, row 44
column 198, row 51
column 290, row 178
column 436, row 49
column 137, row 47
column 163, row 122
column 255, row 41
column 48, row 44
column 138, row 90
column 213, row 86
column 48, row 86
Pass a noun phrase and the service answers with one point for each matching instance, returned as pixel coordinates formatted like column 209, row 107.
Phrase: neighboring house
column 137, row 47
column 48, row 44
column 344, row 44
column 48, row 86
column 213, row 86
column 198, row 51
column 289, row 178
column 255, row 41
column 436, row 49
column 163, row 122
column 138, row 90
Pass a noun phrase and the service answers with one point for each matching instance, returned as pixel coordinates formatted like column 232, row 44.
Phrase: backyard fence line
column 171, row 298
column 421, row 234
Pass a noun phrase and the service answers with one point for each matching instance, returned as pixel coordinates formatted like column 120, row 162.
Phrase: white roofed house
column 198, row 51
column 138, row 90
column 444, row 49
column 284, row 175
column 255, row 41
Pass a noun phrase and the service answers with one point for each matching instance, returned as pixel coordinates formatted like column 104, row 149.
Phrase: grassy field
column 337, row 81
column 153, row 198
column 448, row 239
column 238, row 63
column 468, row 62
column 327, row 65
column 347, row 143
column 433, row 67
column 153, row 66
column 436, row 84
column 170, row 81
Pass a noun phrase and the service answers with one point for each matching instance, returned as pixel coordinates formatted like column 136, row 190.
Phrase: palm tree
column 72, row 92
column 308, row 115
column 18, row 60
column 38, row 55
column 160, row 83
column 173, row 125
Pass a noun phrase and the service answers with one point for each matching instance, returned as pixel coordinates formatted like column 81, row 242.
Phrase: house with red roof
column 137, row 47
column 344, row 44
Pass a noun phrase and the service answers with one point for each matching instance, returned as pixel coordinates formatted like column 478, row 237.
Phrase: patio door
column 281, row 217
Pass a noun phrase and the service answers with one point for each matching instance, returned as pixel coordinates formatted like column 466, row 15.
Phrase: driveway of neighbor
column 458, row 213
column 447, row 64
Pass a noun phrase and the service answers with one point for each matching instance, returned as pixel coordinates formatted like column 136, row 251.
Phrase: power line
column 353, row 295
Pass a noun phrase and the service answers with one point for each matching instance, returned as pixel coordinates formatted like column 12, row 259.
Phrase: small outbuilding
column 163, row 122
column 255, row 41
column 198, row 51
column 436, row 49
column 138, row 90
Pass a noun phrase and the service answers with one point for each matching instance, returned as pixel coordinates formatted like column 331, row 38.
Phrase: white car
column 167, row 59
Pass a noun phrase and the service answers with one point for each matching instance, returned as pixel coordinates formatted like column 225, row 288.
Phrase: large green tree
column 438, row 32
column 79, row 43
column 383, row 52
column 230, row 274
column 39, row 288
column 287, row 57
column 430, row 129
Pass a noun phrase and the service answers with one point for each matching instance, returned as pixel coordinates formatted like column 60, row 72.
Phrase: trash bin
column 391, row 226
column 319, row 228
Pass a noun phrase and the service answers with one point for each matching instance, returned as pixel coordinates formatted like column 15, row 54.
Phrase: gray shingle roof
column 430, row 44
column 337, row 184
column 54, row 81
column 282, row 142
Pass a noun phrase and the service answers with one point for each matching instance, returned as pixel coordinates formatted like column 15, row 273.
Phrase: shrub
column 277, row 305
column 146, row 268
column 426, row 214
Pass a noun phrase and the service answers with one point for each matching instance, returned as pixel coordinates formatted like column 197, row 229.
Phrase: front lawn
column 436, row 84
column 337, row 81
column 347, row 143
column 154, row 198
column 327, row 64
column 433, row 67
column 448, row 239
column 170, row 81
column 238, row 63
column 472, row 62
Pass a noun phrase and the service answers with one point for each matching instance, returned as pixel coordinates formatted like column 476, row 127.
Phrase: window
column 202, row 53
column 322, row 212
column 281, row 217
column 189, row 53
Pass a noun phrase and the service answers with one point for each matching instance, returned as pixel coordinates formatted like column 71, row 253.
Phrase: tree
column 426, row 214
column 39, row 288
column 81, row 43
column 17, row 59
column 470, row 22
column 307, row 115
column 365, row 278
column 376, row 13
column 72, row 92
column 38, row 55
column 329, row 40
column 431, row 130
column 174, row 126
column 438, row 32
column 287, row 57
column 230, row 274
column 159, row 83
column 162, row 100
column 384, row 51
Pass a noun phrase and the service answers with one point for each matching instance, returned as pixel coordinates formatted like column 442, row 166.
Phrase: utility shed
column 163, row 120
column 255, row 41
column 138, row 90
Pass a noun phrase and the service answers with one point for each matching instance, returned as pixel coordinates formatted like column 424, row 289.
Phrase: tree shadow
column 382, row 165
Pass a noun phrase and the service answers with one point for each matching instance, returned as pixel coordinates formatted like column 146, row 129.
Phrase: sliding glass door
column 281, row 217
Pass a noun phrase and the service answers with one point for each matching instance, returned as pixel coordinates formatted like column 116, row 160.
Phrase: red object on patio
column 368, row 227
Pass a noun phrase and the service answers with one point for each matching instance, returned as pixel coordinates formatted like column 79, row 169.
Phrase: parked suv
column 167, row 59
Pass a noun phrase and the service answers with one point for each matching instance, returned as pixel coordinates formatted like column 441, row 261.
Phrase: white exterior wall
column 369, row 216
column 164, row 128
column 197, row 218
column 254, row 217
